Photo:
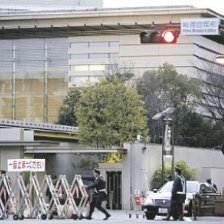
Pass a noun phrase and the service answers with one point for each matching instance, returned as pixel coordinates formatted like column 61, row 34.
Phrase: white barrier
column 67, row 201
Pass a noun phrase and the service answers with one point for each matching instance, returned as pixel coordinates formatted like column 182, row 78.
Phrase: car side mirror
column 155, row 190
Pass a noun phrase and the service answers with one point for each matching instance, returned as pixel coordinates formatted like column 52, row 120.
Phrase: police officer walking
column 178, row 196
column 99, row 195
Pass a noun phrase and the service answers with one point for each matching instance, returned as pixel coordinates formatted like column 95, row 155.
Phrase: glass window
column 114, row 55
column 80, row 45
column 81, row 68
column 167, row 187
column 112, row 67
column 114, row 43
column 206, row 188
column 99, row 56
column 98, row 44
column 79, row 56
column 97, row 67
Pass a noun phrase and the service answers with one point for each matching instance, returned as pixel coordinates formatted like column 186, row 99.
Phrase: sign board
column 23, row 165
column 200, row 26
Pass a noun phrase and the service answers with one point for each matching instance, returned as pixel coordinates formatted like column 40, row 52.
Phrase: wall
column 141, row 161
column 12, row 152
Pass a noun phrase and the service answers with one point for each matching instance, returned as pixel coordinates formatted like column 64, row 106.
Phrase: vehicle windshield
column 191, row 187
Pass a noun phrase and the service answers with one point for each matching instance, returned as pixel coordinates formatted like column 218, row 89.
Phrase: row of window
column 95, row 44
column 95, row 56
column 94, row 67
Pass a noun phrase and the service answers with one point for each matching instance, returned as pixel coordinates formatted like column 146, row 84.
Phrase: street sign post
column 26, row 165
column 200, row 26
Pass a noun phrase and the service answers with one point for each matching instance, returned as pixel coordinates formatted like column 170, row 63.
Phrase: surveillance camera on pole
column 166, row 113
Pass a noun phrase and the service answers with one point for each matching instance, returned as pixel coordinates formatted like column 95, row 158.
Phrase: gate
column 114, row 180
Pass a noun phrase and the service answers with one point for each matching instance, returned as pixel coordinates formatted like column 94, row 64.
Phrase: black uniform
column 178, row 197
column 99, row 194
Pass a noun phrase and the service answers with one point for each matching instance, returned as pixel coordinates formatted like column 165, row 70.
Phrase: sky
column 216, row 5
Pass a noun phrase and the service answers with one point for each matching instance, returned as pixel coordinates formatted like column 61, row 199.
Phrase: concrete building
column 44, row 53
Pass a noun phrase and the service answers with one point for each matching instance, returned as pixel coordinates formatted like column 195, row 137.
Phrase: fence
column 29, row 201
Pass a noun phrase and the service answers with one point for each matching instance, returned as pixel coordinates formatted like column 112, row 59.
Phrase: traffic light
column 155, row 36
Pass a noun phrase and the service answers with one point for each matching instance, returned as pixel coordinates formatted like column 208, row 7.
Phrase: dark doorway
column 114, row 189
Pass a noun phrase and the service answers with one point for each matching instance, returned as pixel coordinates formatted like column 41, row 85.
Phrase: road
column 118, row 217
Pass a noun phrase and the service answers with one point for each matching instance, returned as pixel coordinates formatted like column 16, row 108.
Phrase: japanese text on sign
column 22, row 165
column 200, row 26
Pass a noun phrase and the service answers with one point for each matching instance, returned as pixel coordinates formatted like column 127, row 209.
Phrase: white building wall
column 189, row 54
column 141, row 162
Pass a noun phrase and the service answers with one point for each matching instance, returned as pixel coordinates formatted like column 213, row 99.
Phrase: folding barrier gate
column 67, row 201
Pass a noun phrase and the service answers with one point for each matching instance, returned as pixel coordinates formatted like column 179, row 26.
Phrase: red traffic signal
column 154, row 36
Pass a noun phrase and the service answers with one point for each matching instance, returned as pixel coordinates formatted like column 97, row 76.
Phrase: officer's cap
column 178, row 170
column 96, row 171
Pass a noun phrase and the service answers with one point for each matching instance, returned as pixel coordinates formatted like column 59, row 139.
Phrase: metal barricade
column 29, row 201
column 136, row 203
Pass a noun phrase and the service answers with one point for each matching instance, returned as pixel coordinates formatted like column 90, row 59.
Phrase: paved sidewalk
column 117, row 217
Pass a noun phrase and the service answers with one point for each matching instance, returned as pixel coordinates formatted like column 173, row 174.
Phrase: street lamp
column 167, row 146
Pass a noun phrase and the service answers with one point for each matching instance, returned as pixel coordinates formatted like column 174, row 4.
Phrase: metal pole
column 163, row 154
column 45, row 85
column 172, row 150
column 13, row 82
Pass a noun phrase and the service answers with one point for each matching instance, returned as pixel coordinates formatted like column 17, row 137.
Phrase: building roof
column 93, row 22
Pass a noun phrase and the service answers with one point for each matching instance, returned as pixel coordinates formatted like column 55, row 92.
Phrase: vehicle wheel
column 15, row 217
column 150, row 216
column 75, row 217
column 21, row 217
column 51, row 217
column 43, row 216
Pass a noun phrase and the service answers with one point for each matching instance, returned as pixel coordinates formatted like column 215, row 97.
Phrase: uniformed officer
column 99, row 195
column 178, row 196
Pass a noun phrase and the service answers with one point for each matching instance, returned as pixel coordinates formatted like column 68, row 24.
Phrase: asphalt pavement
column 117, row 217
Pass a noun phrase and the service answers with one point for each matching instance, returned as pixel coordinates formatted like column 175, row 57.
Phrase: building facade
column 44, row 53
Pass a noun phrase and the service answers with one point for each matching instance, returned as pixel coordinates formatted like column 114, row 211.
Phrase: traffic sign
column 200, row 26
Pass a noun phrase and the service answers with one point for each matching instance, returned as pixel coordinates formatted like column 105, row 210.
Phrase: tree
column 212, row 89
column 165, row 88
column 110, row 113
column 67, row 112
column 212, row 100
column 189, row 174
column 195, row 131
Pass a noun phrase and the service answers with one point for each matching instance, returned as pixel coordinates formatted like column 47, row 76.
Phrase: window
column 114, row 43
column 206, row 188
column 98, row 56
column 112, row 67
column 81, row 68
column 98, row 44
column 89, row 68
column 80, row 45
column 97, row 67
column 79, row 56
column 114, row 55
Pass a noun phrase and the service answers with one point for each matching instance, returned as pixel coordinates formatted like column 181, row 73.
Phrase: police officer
column 99, row 195
column 178, row 196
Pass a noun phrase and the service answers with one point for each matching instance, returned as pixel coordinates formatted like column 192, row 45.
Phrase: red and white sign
column 23, row 165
